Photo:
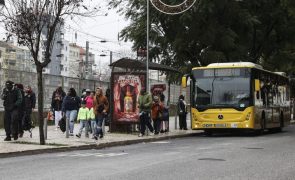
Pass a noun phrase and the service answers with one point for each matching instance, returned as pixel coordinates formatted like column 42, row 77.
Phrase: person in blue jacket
column 70, row 107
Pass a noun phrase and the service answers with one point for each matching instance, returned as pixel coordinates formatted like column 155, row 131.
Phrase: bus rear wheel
column 262, row 126
column 280, row 129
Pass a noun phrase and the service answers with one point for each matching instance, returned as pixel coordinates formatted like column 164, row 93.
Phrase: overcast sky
column 103, row 28
column 94, row 30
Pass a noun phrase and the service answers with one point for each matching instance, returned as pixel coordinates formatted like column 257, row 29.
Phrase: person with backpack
column 100, row 106
column 56, row 104
column 70, row 107
column 157, row 110
column 144, row 105
column 92, row 119
column 165, row 115
column 181, row 109
column 83, row 118
column 89, row 104
column 21, row 111
column 30, row 103
column 12, row 101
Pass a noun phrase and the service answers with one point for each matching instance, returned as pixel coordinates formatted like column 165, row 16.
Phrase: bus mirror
column 184, row 82
column 257, row 85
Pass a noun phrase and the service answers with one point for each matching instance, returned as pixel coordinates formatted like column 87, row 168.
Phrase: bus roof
column 231, row 65
column 239, row 65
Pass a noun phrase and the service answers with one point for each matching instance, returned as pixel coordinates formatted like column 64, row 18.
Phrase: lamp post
column 147, row 44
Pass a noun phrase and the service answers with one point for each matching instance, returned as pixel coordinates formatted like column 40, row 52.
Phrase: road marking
column 92, row 154
column 160, row 142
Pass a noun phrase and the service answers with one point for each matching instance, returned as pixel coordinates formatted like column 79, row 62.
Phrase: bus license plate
column 234, row 125
column 220, row 125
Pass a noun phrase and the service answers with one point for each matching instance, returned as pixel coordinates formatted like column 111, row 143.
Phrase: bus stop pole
column 175, row 121
column 45, row 128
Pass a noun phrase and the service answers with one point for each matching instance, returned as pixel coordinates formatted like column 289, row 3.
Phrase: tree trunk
column 40, row 105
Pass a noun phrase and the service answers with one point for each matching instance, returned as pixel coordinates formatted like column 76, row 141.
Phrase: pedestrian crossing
column 102, row 155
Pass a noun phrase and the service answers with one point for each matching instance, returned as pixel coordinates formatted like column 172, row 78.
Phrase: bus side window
column 266, row 95
column 257, row 95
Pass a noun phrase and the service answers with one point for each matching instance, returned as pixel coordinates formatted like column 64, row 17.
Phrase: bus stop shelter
column 127, row 78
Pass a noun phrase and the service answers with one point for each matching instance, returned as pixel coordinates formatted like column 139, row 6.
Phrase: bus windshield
column 222, row 88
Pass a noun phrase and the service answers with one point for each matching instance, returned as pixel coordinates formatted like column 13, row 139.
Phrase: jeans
column 57, row 117
column 83, row 123
column 11, row 120
column 157, row 123
column 145, row 120
column 93, row 125
column 99, row 121
column 71, row 116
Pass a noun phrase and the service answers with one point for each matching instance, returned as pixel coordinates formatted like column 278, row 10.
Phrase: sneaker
column 100, row 136
column 15, row 137
column 140, row 135
column 7, row 138
column 162, row 131
column 166, row 131
column 95, row 137
column 21, row 135
column 152, row 134
column 78, row 135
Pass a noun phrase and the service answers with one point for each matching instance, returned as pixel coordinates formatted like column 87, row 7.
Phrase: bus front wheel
column 208, row 132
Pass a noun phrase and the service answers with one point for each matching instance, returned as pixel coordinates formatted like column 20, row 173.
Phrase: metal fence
column 51, row 82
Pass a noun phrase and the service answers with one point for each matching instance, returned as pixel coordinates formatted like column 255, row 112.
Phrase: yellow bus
column 243, row 96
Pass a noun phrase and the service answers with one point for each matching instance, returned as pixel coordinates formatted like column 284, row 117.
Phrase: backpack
column 27, row 123
column 62, row 124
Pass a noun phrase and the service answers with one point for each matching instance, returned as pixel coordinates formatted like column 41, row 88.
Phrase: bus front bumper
column 222, row 125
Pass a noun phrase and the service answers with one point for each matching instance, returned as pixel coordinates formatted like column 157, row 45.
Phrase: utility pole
column 86, row 59
column 147, row 45
column 111, row 57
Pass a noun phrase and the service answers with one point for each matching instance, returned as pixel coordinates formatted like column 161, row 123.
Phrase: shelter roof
column 141, row 65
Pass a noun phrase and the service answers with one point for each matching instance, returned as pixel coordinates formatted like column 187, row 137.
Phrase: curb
column 93, row 146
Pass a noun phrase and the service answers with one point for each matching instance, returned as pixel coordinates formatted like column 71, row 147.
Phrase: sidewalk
column 57, row 141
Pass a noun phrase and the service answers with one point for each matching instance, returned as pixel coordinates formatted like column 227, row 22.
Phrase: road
column 221, row 157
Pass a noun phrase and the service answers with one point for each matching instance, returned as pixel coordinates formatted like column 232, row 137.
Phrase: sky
column 95, row 29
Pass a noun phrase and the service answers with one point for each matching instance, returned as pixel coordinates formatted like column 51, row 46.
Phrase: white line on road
column 160, row 142
column 92, row 154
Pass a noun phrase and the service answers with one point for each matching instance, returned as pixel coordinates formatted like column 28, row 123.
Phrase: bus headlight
column 248, row 116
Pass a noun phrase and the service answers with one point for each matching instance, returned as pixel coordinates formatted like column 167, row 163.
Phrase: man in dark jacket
column 12, row 101
column 145, row 104
column 30, row 103
column 21, row 111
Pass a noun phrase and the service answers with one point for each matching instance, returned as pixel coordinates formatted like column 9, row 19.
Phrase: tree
column 214, row 31
column 34, row 23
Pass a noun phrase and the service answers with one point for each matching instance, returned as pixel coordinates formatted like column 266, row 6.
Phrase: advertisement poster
column 126, row 91
column 159, row 90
